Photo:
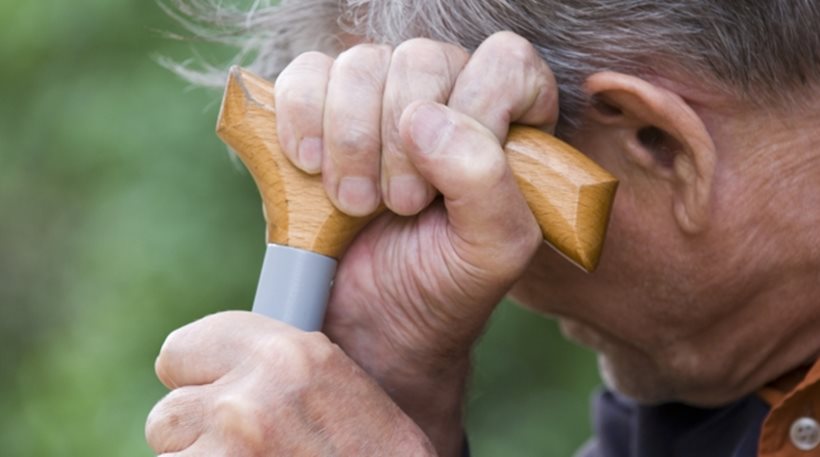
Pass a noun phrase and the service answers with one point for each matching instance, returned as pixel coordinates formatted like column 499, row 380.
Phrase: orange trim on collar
column 802, row 401
column 774, row 392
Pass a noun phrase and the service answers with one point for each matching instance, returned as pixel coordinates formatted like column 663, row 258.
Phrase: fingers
column 493, row 228
column 300, row 395
column 175, row 423
column 205, row 350
column 420, row 69
column 300, row 101
column 342, row 116
column 506, row 81
column 352, row 137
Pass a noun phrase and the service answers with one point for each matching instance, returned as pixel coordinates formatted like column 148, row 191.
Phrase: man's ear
column 663, row 136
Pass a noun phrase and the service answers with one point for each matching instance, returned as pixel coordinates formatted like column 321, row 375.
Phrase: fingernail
column 357, row 195
column 310, row 154
column 407, row 194
column 430, row 126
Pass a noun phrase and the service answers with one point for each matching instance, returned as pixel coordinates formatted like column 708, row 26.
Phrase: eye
column 663, row 146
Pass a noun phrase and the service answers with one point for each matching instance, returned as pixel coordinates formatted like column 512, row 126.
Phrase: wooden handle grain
column 569, row 194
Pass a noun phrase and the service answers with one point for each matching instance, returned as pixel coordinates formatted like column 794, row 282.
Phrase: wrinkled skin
column 706, row 252
column 412, row 293
column 709, row 314
column 265, row 390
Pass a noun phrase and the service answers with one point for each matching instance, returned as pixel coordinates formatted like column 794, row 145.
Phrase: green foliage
column 123, row 217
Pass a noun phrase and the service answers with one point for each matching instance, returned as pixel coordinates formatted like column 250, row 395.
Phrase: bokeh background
column 123, row 217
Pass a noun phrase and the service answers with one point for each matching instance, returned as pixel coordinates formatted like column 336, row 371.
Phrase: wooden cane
column 569, row 194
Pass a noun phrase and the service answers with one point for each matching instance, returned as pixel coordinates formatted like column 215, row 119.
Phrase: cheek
column 636, row 295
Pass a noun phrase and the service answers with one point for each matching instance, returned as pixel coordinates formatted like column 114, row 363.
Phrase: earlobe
column 663, row 136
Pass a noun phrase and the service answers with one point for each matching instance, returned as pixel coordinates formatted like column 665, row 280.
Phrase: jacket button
column 805, row 433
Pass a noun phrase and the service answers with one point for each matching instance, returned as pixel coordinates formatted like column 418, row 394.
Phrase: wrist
column 428, row 384
column 434, row 400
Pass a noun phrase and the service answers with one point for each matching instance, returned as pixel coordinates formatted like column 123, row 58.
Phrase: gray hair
column 758, row 51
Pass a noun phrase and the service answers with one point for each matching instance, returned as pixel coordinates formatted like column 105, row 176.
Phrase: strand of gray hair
column 760, row 51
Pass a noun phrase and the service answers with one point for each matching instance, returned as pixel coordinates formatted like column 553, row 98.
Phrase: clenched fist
column 414, row 290
column 245, row 385
column 401, row 126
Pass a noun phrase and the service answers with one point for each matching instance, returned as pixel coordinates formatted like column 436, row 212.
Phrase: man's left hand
column 245, row 385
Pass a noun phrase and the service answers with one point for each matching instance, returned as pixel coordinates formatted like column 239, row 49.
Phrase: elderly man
column 705, row 309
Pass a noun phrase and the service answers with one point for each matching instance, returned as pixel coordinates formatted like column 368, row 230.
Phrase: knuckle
column 298, row 87
column 420, row 52
column 480, row 158
column 491, row 170
column 310, row 64
column 272, row 346
column 179, row 343
column 318, row 346
column 312, row 60
column 357, row 141
column 174, row 418
column 231, row 405
column 515, row 46
column 364, row 64
column 523, row 84
column 282, row 353
column 415, row 45
column 368, row 51
column 297, row 355
column 427, row 59
column 239, row 417
column 298, row 97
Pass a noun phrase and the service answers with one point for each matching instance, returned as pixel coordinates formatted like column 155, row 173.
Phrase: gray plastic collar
column 294, row 286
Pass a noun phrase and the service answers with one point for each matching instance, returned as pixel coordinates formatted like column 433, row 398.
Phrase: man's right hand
column 400, row 126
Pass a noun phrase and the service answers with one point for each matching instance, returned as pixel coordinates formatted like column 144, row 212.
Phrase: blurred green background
column 123, row 217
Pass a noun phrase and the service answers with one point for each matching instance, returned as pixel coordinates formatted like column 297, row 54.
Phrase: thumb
column 491, row 227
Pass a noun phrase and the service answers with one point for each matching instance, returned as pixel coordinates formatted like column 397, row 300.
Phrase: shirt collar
column 793, row 398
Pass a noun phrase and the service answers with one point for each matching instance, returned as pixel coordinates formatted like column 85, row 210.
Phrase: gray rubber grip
column 294, row 286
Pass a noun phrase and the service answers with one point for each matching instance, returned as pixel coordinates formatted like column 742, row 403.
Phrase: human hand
column 412, row 293
column 246, row 385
